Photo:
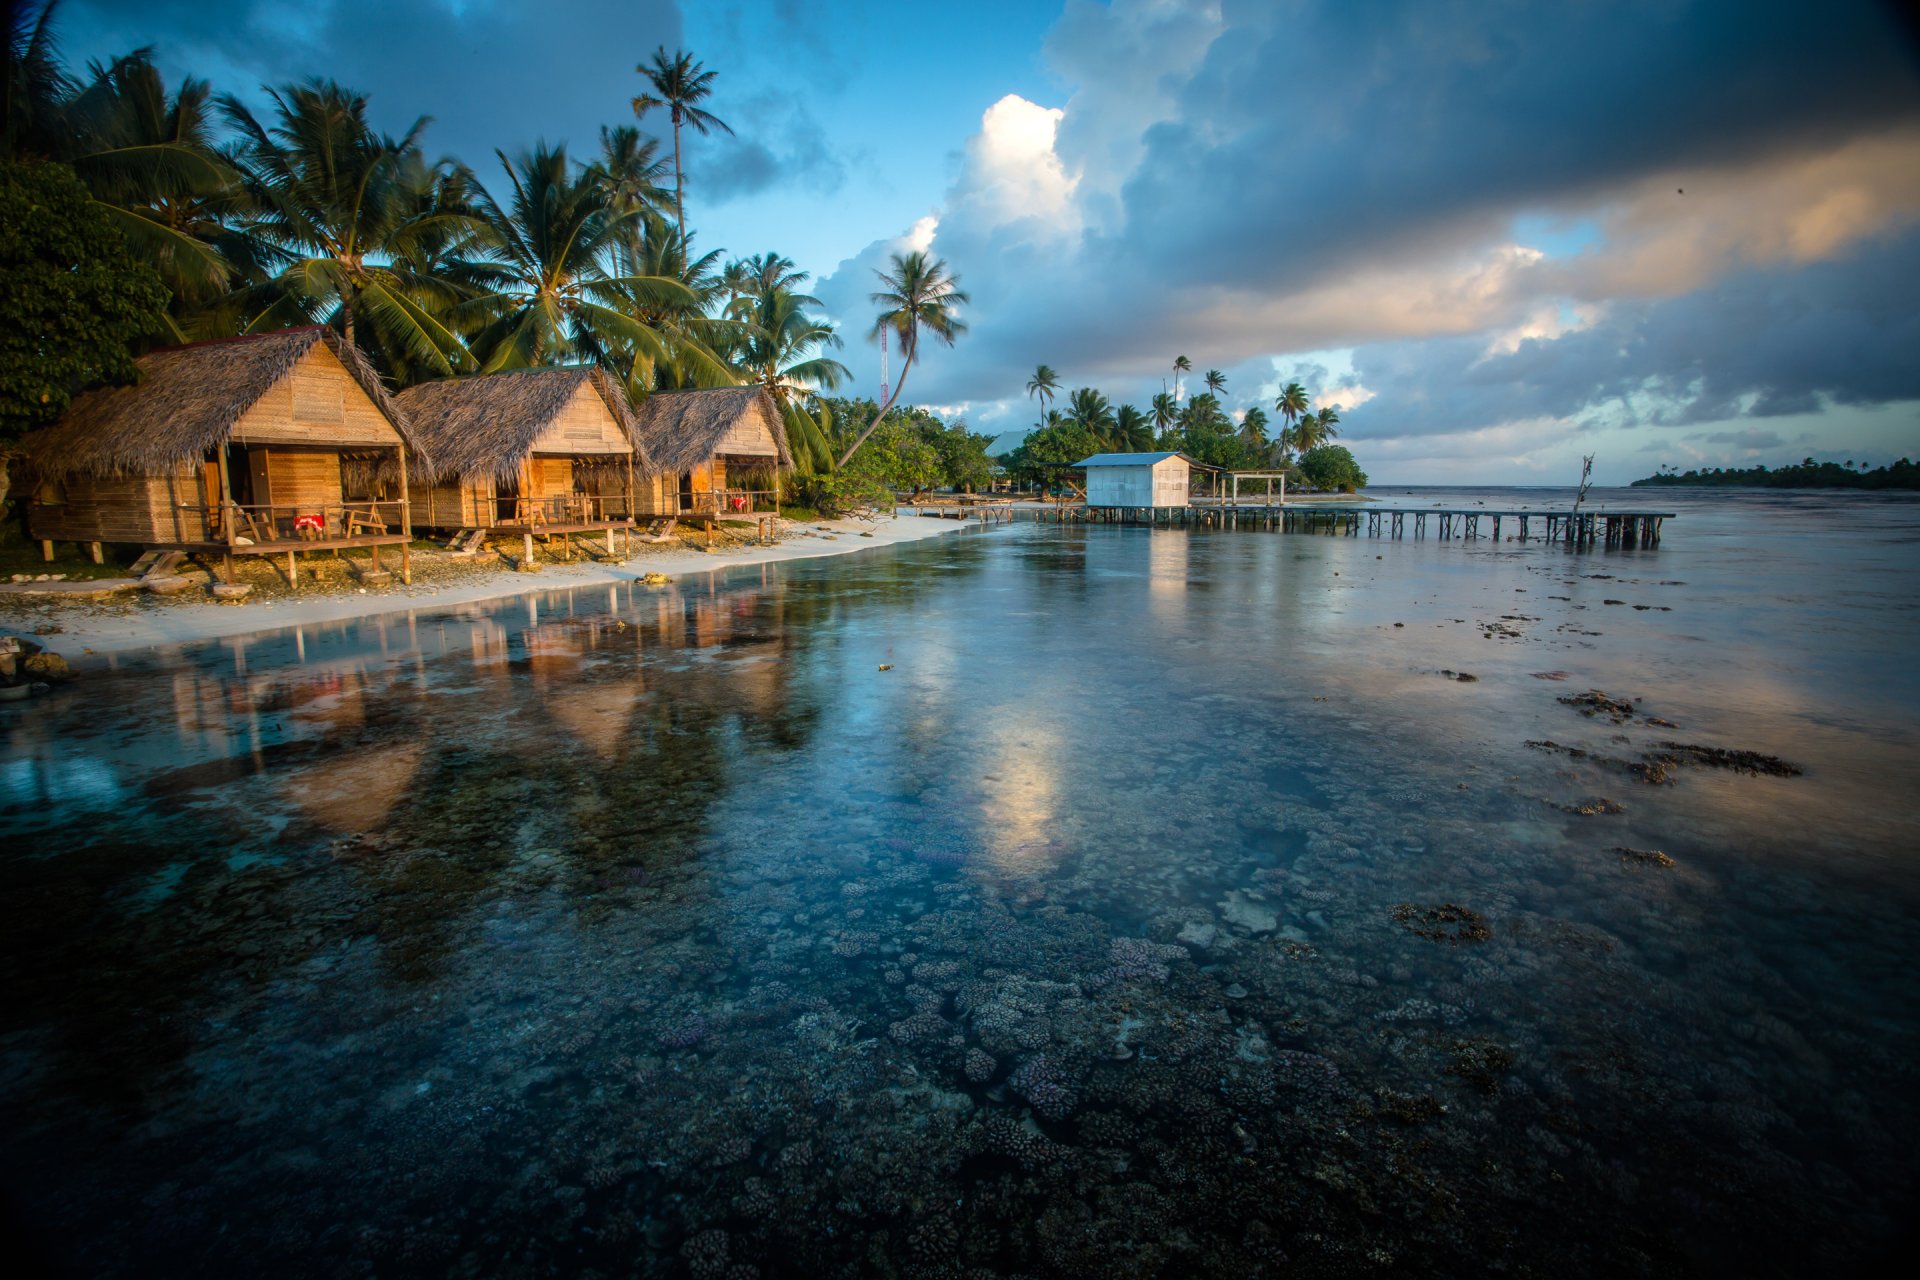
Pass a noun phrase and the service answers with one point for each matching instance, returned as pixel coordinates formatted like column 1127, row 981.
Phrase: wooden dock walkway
column 1574, row 528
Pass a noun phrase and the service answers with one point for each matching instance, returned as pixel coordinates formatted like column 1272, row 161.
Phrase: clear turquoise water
column 659, row 931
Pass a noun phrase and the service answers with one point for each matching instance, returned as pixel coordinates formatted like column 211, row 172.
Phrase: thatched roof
column 683, row 429
column 188, row 401
column 483, row 427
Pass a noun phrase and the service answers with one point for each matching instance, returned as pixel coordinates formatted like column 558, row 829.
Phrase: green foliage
column 1330, row 466
column 1047, row 455
column 75, row 301
column 1806, row 474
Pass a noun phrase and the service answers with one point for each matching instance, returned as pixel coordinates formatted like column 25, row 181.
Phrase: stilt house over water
column 718, row 450
column 1138, row 479
column 269, row 444
column 533, row 451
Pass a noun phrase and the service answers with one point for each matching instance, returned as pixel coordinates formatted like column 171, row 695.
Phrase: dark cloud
column 491, row 73
column 1227, row 163
column 1752, row 438
column 776, row 141
column 1764, row 343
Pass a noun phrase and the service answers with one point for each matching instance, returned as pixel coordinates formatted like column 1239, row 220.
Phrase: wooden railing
column 722, row 503
column 572, row 508
column 257, row 523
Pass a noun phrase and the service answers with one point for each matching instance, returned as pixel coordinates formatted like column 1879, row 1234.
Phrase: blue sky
column 1496, row 235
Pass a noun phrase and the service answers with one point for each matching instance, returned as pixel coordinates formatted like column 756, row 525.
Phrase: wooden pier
column 1574, row 528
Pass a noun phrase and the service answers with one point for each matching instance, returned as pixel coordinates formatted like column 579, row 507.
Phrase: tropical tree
column 1326, row 424
column 1253, row 429
column 629, row 170
column 679, row 84
column 1131, row 429
column 1043, row 385
column 920, row 293
column 339, row 210
column 560, row 294
column 1292, row 402
column 1166, row 412
column 1180, row 365
column 75, row 302
column 1216, row 381
column 147, row 159
column 1087, row 408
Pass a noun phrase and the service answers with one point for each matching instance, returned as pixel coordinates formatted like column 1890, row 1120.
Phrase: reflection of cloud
column 358, row 788
column 1167, row 568
column 1021, row 792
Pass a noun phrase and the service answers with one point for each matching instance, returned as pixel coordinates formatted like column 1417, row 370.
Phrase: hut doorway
column 506, row 494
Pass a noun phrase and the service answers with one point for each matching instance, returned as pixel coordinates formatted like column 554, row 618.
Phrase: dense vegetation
column 1200, row 428
column 138, row 215
column 75, row 299
column 1330, row 466
column 1806, row 474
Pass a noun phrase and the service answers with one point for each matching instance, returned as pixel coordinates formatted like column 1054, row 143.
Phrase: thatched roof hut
column 685, row 431
column 191, row 399
column 485, row 428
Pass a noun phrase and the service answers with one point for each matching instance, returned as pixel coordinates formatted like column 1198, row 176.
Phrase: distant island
column 1806, row 474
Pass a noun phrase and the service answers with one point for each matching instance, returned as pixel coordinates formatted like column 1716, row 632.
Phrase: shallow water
column 1164, row 909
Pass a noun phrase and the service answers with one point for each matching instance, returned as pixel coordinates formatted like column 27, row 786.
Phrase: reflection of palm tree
column 920, row 293
column 679, row 83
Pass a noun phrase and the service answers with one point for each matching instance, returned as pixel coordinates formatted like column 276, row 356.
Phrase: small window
column 318, row 399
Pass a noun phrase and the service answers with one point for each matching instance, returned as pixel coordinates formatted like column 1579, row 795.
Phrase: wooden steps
column 156, row 564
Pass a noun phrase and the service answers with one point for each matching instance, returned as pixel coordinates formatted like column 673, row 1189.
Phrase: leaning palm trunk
column 877, row 418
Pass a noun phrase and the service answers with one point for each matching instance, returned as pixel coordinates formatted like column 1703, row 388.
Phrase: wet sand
column 138, row 621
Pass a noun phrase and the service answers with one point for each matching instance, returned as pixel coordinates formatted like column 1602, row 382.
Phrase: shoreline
column 90, row 629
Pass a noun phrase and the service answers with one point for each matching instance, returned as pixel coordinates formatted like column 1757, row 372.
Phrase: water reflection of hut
column 269, row 444
column 718, row 450
column 533, row 451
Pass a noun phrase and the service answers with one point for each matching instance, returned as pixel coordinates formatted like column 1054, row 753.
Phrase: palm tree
column 1166, row 411
column 1216, row 381
column 920, row 293
column 1291, row 404
column 339, row 210
column 1253, row 429
column 1180, row 365
column 1131, row 429
column 698, row 343
column 1044, row 384
column 679, row 84
column 560, row 295
column 1087, row 408
column 148, row 160
column 1327, row 420
column 630, row 169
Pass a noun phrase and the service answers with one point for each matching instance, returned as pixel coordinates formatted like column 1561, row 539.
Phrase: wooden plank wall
column 327, row 408
column 749, row 436
column 302, row 477
column 140, row 509
column 586, row 425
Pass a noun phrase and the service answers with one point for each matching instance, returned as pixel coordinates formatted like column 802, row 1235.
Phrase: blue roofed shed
column 1138, row 479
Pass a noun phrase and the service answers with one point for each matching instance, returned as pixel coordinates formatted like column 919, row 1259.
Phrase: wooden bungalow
column 716, row 451
column 546, row 452
column 271, row 444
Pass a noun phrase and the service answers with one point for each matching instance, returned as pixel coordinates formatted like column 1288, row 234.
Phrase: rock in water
column 50, row 667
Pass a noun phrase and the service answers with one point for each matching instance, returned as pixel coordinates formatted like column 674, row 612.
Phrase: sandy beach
column 136, row 620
